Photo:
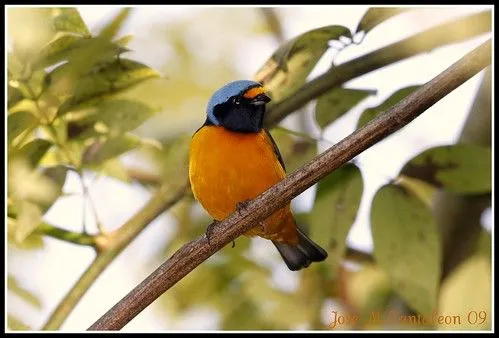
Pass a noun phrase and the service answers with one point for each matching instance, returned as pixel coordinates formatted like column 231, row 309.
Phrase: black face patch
column 238, row 114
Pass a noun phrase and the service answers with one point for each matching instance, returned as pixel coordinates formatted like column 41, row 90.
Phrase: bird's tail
column 302, row 254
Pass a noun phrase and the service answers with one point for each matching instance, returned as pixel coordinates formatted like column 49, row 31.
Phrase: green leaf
column 87, row 57
column 112, row 28
column 26, row 295
column 407, row 246
column 112, row 78
column 69, row 20
column 295, row 151
column 289, row 66
column 29, row 218
column 57, row 175
column 121, row 116
column 57, row 50
column 15, row 324
column 114, row 168
column 32, row 242
column 27, row 183
column 30, row 29
column 423, row 190
column 336, row 204
column 174, row 160
column 459, row 168
column 337, row 102
column 33, row 86
column 377, row 15
column 33, row 151
column 484, row 245
column 466, row 294
column 19, row 122
column 372, row 112
column 369, row 291
column 124, row 40
column 113, row 147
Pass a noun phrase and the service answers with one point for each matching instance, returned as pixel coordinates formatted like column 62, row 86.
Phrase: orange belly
column 227, row 167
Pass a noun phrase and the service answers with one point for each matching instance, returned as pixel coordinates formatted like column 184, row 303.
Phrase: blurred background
column 196, row 50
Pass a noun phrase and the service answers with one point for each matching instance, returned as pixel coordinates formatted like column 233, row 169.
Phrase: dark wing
column 276, row 150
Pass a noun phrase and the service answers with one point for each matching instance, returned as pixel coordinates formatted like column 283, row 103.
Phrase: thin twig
column 194, row 253
column 66, row 235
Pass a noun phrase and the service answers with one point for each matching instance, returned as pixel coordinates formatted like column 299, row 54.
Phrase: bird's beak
column 260, row 99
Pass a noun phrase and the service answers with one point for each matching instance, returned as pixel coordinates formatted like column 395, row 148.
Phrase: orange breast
column 227, row 167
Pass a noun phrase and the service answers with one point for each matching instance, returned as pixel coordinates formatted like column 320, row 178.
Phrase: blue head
column 238, row 106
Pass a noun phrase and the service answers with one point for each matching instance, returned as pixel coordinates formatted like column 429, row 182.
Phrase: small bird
column 233, row 158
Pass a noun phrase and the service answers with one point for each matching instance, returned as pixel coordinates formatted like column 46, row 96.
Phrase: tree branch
column 66, row 235
column 111, row 245
column 194, row 253
column 449, row 32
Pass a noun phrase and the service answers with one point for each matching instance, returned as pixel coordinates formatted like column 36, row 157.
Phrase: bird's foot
column 209, row 230
column 233, row 244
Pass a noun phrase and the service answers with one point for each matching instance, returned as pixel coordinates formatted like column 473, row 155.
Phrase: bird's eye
column 236, row 100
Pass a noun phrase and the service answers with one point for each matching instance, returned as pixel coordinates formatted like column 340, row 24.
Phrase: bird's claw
column 209, row 230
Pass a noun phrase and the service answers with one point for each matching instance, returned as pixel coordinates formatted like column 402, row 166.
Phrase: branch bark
column 194, row 253
column 450, row 32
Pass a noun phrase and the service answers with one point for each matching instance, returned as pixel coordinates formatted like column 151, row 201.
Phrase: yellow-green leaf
column 57, row 50
column 87, row 58
column 289, row 66
column 26, row 295
column 121, row 116
column 114, row 168
column 112, row 78
column 19, row 122
column 295, row 151
column 68, row 19
column 29, row 217
column 16, row 324
column 56, row 174
column 372, row 112
column 113, row 147
column 368, row 292
column 337, row 102
column 484, row 245
column 27, row 183
column 29, row 29
column 461, row 168
column 407, row 246
column 32, row 242
column 425, row 191
column 465, row 300
column 336, row 204
column 111, row 29
column 33, row 151
column 375, row 16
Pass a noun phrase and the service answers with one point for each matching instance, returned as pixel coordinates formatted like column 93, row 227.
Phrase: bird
column 233, row 159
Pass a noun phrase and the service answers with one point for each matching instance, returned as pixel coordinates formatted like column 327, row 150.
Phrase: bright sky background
column 50, row 273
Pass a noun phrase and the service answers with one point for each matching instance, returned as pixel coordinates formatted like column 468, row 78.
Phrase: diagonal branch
column 194, row 253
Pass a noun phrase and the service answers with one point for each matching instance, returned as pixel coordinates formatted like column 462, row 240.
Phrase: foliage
column 76, row 103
